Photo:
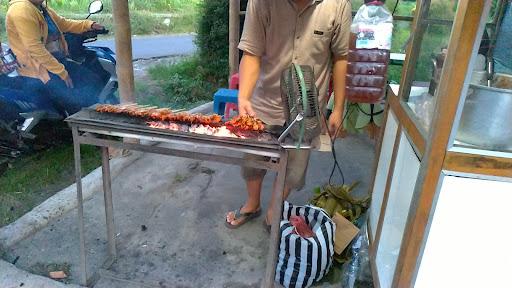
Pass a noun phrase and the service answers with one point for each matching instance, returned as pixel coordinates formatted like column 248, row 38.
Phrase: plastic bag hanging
column 368, row 57
column 373, row 26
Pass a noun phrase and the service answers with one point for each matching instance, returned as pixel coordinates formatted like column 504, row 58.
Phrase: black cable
column 371, row 114
column 396, row 6
column 333, row 149
column 336, row 162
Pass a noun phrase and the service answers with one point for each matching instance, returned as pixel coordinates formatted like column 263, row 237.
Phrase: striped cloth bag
column 303, row 261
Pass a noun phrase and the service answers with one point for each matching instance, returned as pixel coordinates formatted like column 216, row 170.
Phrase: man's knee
column 298, row 161
column 250, row 173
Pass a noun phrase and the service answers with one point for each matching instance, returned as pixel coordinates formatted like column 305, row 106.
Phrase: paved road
column 145, row 47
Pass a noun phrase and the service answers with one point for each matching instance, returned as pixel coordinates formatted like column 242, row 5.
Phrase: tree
column 213, row 39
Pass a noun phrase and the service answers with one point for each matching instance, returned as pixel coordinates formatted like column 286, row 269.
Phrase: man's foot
column 267, row 225
column 268, row 218
column 237, row 218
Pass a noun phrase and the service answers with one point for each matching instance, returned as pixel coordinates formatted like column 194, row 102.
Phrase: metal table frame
column 91, row 133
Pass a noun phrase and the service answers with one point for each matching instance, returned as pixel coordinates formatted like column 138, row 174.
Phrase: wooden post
column 234, row 35
column 123, row 37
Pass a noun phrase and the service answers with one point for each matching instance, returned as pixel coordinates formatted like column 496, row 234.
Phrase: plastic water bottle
column 351, row 268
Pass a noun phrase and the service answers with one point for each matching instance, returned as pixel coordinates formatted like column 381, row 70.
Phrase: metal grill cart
column 105, row 130
column 442, row 187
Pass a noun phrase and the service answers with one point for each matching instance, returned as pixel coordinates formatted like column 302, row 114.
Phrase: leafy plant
column 213, row 40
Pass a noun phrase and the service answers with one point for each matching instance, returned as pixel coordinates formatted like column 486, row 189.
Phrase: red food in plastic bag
column 301, row 227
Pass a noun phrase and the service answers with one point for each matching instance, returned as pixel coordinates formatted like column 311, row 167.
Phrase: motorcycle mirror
column 95, row 7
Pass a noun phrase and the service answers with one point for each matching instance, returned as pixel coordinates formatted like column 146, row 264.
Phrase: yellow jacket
column 27, row 32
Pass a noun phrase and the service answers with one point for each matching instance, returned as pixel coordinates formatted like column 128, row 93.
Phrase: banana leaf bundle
column 339, row 199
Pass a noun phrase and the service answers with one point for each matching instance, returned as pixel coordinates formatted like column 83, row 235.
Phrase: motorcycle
column 21, row 110
column 100, row 60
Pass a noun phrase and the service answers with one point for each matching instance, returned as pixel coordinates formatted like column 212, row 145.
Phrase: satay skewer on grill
column 160, row 114
column 244, row 123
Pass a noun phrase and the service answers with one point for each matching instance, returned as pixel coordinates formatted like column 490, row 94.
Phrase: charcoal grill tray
column 138, row 127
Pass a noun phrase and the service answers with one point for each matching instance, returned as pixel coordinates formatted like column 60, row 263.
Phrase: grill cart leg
column 81, row 227
column 109, row 206
column 277, row 210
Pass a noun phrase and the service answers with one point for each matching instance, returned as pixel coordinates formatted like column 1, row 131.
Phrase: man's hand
column 249, row 73
column 69, row 82
column 245, row 107
column 96, row 26
column 335, row 122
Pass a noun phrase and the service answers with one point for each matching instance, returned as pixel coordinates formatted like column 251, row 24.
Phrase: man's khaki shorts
column 298, row 161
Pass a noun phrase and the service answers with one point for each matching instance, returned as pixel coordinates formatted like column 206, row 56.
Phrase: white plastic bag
column 373, row 26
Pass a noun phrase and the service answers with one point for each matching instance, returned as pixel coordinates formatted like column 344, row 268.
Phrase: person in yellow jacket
column 35, row 34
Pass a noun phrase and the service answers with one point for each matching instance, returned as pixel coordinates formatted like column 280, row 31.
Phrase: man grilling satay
column 277, row 34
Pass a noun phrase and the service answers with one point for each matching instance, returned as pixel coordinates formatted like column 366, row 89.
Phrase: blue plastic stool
column 223, row 96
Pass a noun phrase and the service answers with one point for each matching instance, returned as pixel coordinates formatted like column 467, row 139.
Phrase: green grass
column 181, row 85
column 158, row 6
column 147, row 17
column 149, row 23
column 33, row 179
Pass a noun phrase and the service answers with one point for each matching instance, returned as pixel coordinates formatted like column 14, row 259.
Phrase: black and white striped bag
column 303, row 261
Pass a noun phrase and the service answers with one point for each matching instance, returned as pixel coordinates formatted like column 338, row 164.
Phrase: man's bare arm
column 249, row 73
column 339, row 74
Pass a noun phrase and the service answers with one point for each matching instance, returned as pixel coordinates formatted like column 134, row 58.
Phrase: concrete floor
column 169, row 215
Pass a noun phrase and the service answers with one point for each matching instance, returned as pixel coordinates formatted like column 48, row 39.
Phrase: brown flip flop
column 244, row 217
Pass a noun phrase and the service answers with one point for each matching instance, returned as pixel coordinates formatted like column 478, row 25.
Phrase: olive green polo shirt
column 281, row 35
